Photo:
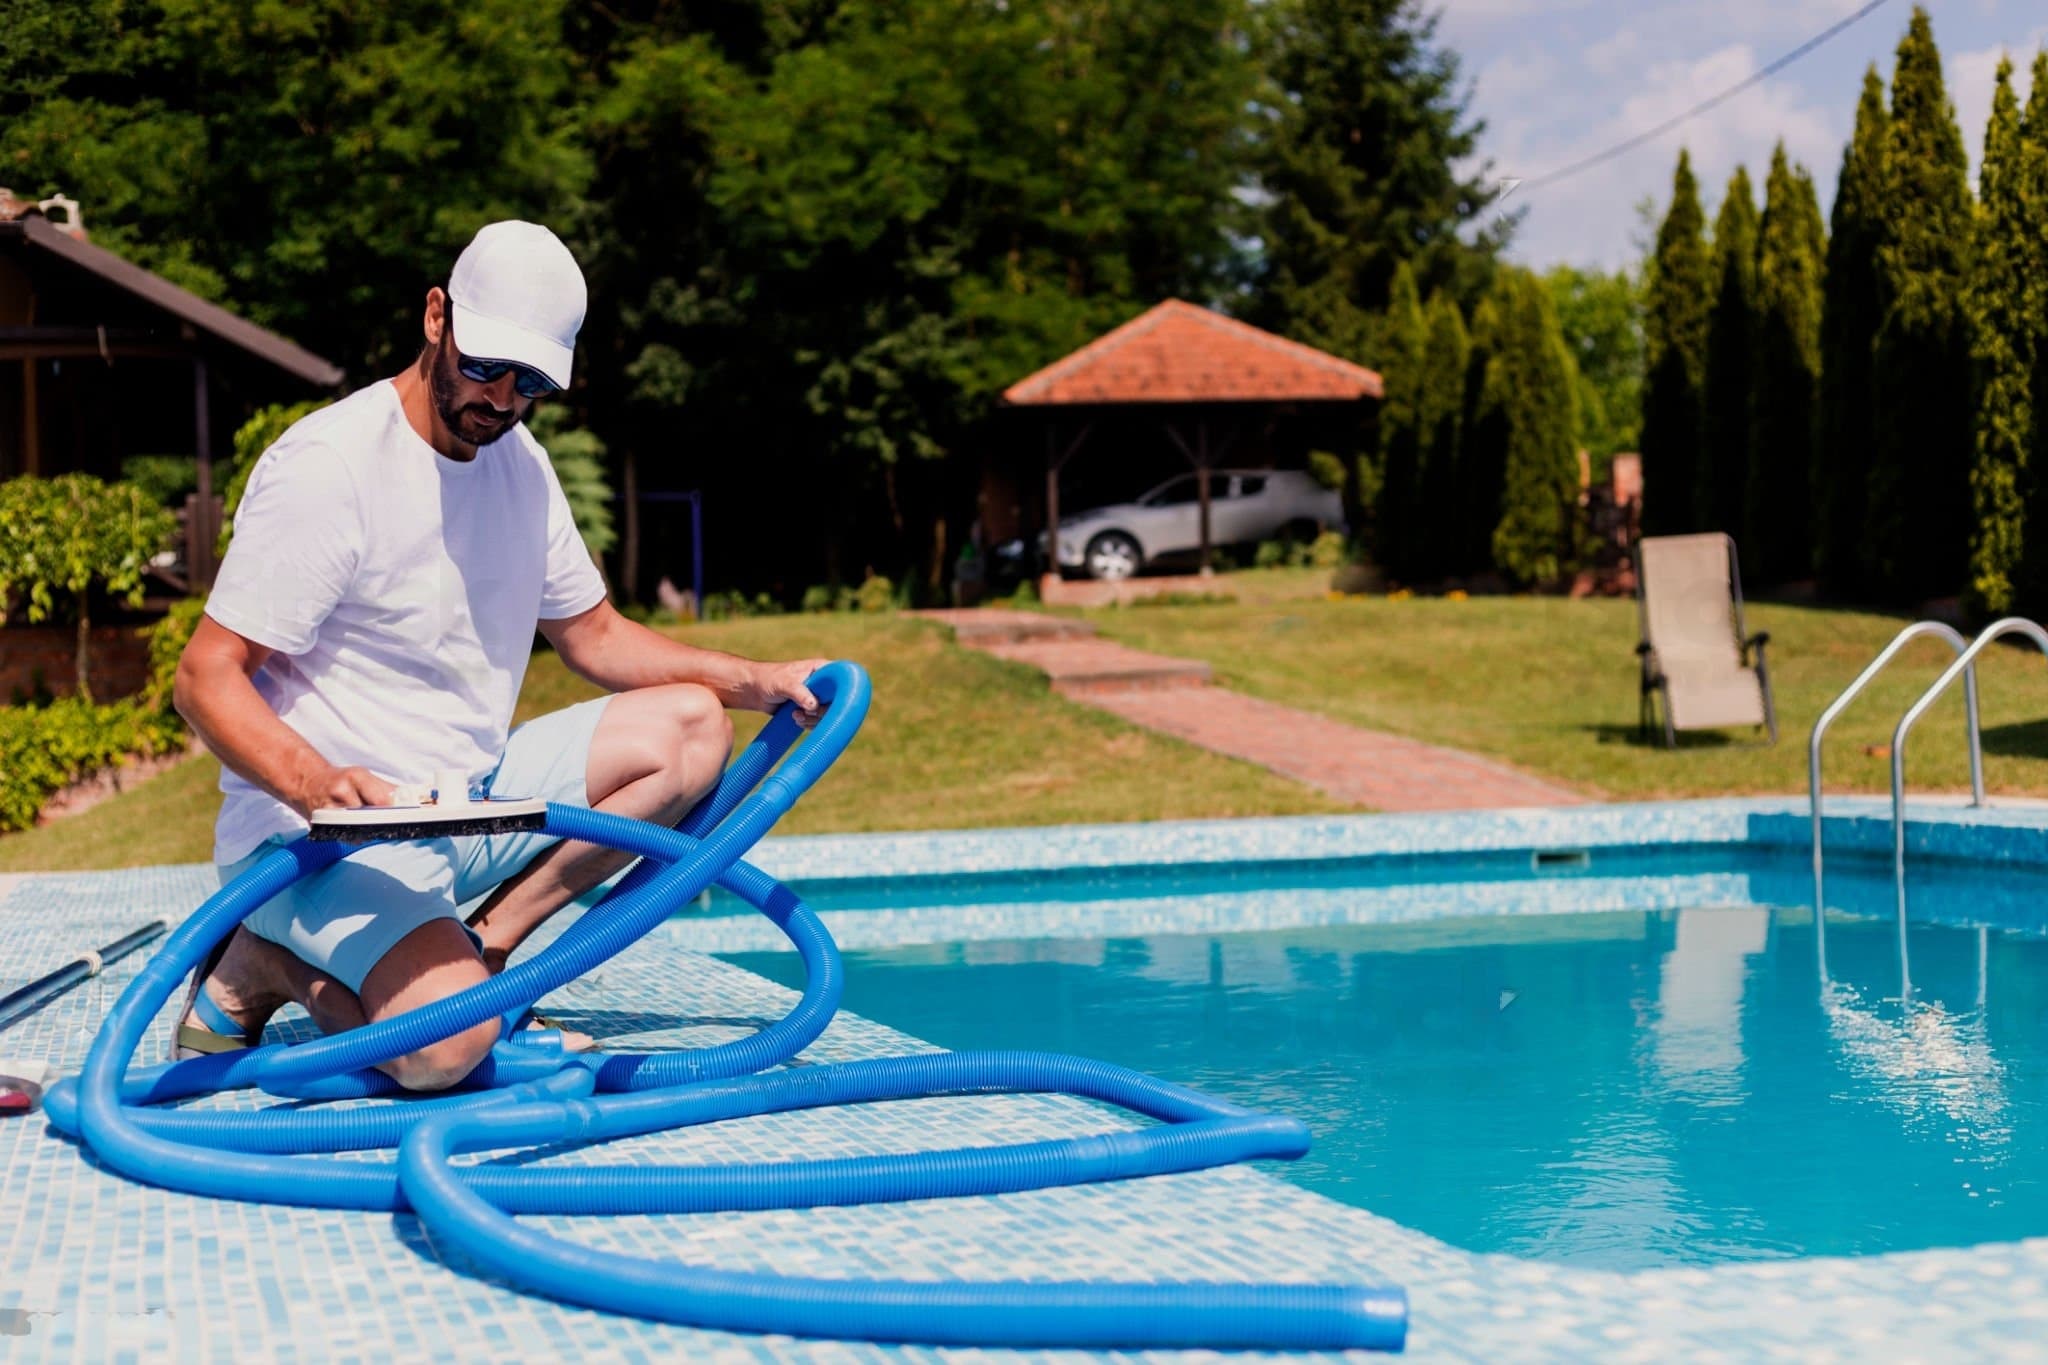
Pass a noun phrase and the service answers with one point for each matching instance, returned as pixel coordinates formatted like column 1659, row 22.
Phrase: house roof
column 1178, row 352
column 182, row 304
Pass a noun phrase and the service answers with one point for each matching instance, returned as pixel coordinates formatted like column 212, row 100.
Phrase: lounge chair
column 1694, row 651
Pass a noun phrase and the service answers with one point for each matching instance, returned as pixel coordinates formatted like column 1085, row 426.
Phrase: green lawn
column 957, row 739
column 954, row 739
column 1550, row 685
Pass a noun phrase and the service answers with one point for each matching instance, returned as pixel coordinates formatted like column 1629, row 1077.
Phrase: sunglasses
column 528, row 383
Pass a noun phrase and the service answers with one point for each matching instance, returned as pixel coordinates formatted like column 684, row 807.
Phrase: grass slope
column 1551, row 685
column 955, row 739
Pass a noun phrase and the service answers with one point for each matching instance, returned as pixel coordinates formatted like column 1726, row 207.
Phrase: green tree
column 1791, row 253
column 1917, row 530
column 2005, row 289
column 1679, row 296
column 2031, row 586
column 908, row 210
column 316, row 163
column 1365, row 165
column 1601, row 313
column 1723, row 475
column 73, row 535
column 1440, row 413
column 1848, row 328
column 1530, row 383
column 1397, row 525
column 578, row 458
column 1483, row 447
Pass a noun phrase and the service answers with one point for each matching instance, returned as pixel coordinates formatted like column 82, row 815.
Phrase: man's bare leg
column 656, row 751
column 256, row 978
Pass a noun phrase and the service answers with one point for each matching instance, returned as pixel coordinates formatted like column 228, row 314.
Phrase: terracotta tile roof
column 1180, row 353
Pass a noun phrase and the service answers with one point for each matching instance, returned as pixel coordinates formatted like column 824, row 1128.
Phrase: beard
column 475, row 424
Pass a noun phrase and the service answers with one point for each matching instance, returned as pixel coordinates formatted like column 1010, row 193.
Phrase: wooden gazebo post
column 1055, row 458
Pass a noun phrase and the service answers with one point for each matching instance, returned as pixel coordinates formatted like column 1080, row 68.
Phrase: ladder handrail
column 2009, row 625
column 1905, row 637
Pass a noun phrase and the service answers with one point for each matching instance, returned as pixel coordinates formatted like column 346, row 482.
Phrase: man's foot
column 228, row 1004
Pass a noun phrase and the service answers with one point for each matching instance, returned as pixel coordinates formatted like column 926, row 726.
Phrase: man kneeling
column 371, row 624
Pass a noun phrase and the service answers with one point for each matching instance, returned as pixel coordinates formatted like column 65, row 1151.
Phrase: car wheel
column 1113, row 555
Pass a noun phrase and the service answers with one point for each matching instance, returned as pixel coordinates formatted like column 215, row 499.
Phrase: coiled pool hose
column 527, row 1094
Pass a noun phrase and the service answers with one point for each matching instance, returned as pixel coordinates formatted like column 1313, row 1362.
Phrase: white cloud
column 1589, row 218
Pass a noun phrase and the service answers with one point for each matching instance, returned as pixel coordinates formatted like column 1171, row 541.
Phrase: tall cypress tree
column 1401, row 362
column 1675, row 338
column 1367, row 162
column 1731, row 337
column 2007, row 333
column 1791, row 247
column 1918, row 525
column 1440, row 410
column 1482, row 453
column 2031, row 589
column 1533, row 383
column 1848, row 326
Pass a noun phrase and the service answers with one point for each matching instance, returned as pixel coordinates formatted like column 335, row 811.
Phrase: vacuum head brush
column 434, row 816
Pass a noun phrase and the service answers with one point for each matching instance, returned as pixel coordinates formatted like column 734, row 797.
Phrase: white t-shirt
column 400, row 590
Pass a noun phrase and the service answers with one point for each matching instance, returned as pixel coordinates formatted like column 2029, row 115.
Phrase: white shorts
column 343, row 919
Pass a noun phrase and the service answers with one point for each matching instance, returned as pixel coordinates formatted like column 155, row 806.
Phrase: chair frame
column 1655, row 684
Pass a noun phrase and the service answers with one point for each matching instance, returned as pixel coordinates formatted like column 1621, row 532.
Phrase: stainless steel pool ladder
column 2010, row 625
column 1841, row 703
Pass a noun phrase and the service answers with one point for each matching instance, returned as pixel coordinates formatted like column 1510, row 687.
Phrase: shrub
column 165, row 478
column 732, row 606
column 1271, row 554
column 1327, row 470
column 578, row 457
column 167, row 640
column 252, row 438
column 823, row 597
column 1328, row 551
column 875, row 593
column 70, row 535
column 45, row 748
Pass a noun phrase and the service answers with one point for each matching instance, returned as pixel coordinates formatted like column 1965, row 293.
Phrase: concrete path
column 1174, row 696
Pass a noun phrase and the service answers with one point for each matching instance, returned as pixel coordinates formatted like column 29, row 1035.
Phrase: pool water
column 1620, row 1090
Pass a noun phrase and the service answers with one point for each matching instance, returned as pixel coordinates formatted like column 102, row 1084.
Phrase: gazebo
column 1206, row 380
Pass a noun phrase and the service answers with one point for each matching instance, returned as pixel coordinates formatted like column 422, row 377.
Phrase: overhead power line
column 1536, row 182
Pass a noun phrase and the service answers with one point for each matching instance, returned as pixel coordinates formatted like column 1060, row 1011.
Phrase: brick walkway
column 1173, row 696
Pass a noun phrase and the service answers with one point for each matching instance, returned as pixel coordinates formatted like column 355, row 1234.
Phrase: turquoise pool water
column 1619, row 1090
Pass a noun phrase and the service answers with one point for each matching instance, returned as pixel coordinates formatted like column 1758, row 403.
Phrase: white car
column 1245, row 506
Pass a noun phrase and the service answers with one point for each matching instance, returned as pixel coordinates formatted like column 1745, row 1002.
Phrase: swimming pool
column 114, row 1270
column 1671, row 1084
column 1621, row 1090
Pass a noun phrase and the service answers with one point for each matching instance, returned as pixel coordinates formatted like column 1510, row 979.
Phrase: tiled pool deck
column 96, row 1268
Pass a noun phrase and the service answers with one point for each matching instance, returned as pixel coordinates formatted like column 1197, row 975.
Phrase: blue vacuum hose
column 536, row 1095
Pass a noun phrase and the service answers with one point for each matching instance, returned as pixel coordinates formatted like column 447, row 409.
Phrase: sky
column 1557, row 80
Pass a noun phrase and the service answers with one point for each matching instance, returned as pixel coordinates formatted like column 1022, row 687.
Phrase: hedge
column 44, row 749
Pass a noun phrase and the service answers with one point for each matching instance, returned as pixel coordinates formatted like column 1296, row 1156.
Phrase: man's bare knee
column 441, row 1065
column 674, row 739
column 702, row 726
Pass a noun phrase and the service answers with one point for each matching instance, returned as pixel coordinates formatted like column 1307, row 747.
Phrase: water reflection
column 1615, row 1089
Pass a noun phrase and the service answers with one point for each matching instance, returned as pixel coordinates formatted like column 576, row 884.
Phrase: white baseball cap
column 518, row 295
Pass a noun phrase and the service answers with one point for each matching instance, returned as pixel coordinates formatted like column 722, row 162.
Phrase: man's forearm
column 227, row 712
column 623, row 655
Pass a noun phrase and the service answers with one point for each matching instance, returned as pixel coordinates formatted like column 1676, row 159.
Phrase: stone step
column 1092, row 667
column 977, row 627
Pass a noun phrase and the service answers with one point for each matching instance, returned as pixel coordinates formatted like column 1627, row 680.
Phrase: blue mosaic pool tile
column 99, row 1268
